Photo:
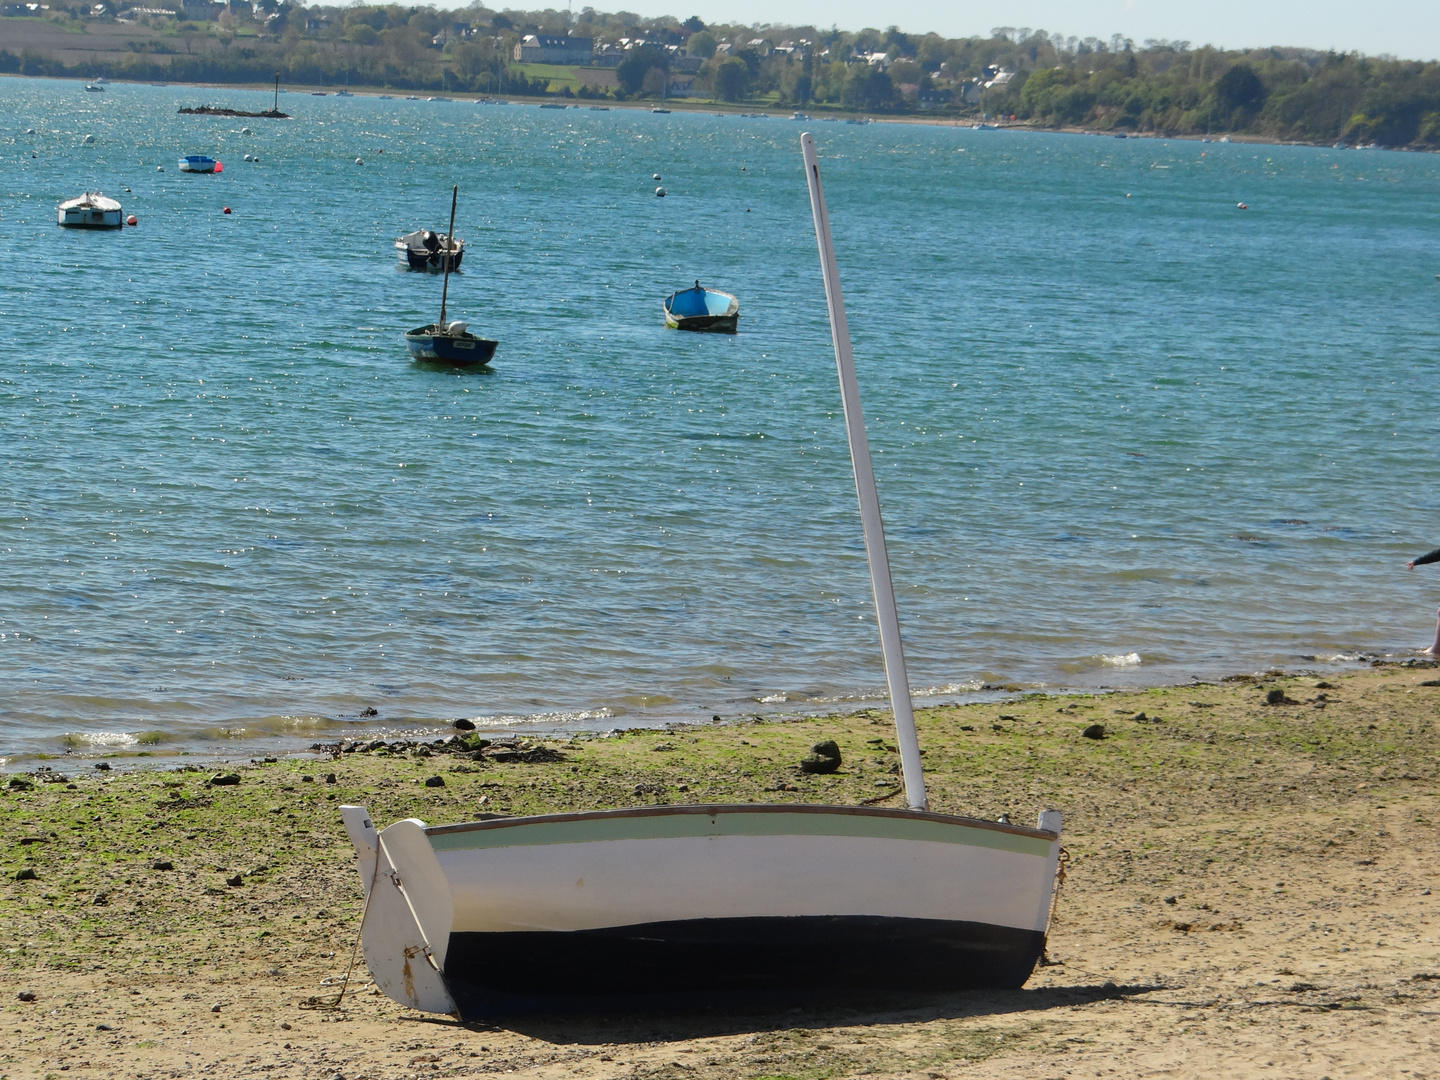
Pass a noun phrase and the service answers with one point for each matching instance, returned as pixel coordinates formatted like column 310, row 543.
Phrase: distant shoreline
column 716, row 108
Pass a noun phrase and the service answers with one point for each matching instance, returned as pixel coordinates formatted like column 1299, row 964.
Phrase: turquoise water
column 1125, row 433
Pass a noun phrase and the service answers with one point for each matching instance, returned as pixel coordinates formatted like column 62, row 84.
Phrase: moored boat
column 426, row 250
column 702, row 309
column 199, row 163
column 678, row 905
column 449, row 342
column 90, row 211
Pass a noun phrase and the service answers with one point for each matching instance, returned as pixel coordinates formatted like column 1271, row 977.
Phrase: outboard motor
column 430, row 240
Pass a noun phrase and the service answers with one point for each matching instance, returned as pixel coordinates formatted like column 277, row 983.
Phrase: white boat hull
column 90, row 211
column 90, row 219
column 685, row 901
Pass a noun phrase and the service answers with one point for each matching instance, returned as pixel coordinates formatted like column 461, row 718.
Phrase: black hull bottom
column 736, row 963
column 708, row 324
column 432, row 262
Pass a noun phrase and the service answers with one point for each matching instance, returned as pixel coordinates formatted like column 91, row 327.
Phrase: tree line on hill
column 1164, row 87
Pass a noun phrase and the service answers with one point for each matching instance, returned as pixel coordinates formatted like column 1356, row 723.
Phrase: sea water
column 1125, row 432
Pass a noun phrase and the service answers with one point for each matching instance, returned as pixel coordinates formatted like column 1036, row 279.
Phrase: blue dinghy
column 702, row 309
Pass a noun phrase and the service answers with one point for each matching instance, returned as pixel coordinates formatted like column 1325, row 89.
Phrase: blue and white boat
column 702, row 309
column 199, row 163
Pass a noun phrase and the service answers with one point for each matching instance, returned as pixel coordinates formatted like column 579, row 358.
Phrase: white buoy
column 29, row 131
column 660, row 192
column 246, row 131
column 359, row 161
column 656, row 176
column 89, row 138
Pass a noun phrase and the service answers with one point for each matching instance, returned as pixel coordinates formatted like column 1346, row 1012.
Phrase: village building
column 545, row 49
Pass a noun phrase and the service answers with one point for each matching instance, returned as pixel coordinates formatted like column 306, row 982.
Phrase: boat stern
column 405, row 930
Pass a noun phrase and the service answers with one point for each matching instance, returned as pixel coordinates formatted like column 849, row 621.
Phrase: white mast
column 885, row 614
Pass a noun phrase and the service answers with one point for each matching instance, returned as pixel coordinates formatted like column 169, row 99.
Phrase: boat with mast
column 449, row 342
column 678, row 904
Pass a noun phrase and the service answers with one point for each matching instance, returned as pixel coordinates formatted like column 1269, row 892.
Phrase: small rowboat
column 449, row 344
column 702, row 309
column 90, row 211
column 199, row 163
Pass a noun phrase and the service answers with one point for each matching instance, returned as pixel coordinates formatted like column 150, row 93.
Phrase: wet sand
column 1252, row 892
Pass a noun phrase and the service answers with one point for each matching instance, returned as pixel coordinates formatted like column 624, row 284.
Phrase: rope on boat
column 1060, row 863
column 327, row 1005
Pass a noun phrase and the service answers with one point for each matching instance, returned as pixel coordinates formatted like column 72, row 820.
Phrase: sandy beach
column 1251, row 892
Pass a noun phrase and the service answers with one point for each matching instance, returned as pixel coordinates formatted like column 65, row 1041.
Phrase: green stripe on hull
column 676, row 826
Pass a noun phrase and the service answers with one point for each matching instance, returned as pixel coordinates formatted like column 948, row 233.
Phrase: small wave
column 98, row 738
column 557, row 718
column 773, row 699
column 968, row 686
column 1121, row 659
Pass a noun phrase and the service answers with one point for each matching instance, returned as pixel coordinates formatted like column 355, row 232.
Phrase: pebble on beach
column 434, row 781
column 824, row 757
column 1094, row 731
column 225, row 779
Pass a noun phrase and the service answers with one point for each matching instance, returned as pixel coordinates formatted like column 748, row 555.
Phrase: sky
column 1409, row 29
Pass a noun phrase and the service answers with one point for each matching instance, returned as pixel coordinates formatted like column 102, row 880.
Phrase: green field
column 559, row 76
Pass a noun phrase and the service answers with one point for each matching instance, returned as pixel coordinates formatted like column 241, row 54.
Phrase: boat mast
column 449, row 243
column 885, row 613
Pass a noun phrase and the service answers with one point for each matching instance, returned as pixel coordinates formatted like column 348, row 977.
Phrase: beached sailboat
column 702, row 309
column 449, row 342
column 90, row 211
column 668, row 904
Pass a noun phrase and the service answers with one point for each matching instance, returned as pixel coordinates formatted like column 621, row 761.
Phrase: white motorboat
column 425, row 249
column 668, row 905
column 90, row 211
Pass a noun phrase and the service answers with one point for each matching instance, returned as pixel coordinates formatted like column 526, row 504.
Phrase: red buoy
column 227, row 209
column 1238, row 206
column 132, row 220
